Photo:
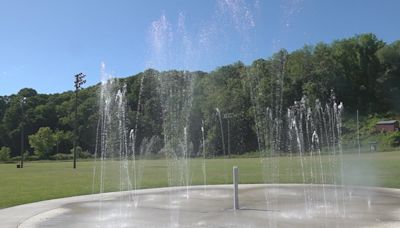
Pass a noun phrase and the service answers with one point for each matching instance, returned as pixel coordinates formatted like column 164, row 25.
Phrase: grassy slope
column 48, row 180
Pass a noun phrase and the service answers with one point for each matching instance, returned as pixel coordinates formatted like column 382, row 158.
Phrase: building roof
column 383, row 122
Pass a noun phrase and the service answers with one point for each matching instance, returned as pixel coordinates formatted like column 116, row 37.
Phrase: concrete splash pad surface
column 197, row 206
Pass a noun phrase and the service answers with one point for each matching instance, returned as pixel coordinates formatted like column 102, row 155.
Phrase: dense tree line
column 363, row 70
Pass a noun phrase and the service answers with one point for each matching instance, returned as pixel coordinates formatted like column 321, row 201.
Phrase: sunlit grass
column 48, row 180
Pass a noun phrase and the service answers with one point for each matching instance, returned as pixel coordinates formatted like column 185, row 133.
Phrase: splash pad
column 213, row 207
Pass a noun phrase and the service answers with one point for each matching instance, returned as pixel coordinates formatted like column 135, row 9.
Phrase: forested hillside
column 363, row 71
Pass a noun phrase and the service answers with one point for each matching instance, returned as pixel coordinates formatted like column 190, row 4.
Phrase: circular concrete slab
column 211, row 206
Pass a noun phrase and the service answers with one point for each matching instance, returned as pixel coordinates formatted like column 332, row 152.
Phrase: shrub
column 32, row 158
column 62, row 157
column 393, row 139
column 5, row 153
column 43, row 142
column 16, row 158
column 85, row 154
column 78, row 151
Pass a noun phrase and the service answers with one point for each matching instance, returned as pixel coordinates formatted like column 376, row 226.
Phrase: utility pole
column 79, row 80
column 23, row 101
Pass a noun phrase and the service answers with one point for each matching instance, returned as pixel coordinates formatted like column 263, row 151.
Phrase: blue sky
column 43, row 43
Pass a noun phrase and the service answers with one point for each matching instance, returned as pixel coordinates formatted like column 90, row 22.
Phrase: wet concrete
column 260, row 206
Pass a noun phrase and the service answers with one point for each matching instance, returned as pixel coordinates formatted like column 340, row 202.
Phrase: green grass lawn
column 48, row 180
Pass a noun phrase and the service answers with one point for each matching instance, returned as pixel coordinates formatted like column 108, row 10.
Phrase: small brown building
column 387, row 126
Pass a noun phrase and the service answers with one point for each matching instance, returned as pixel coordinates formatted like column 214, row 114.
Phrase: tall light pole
column 22, row 102
column 79, row 80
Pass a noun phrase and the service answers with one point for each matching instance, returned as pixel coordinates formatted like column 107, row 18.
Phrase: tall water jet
column 358, row 135
column 176, row 101
column 223, row 143
column 316, row 147
column 306, row 133
column 204, row 166
column 132, row 139
column 267, row 101
column 134, row 132
column 221, row 130
column 115, row 155
column 176, row 89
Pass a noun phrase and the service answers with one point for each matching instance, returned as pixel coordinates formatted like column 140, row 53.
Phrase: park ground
column 49, row 180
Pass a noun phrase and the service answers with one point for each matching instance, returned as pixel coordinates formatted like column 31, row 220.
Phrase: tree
column 389, row 79
column 360, row 65
column 63, row 140
column 5, row 153
column 43, row 142
column 363, row 71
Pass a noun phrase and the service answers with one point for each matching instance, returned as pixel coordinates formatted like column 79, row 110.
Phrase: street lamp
column 79, row 80
column 22, row 102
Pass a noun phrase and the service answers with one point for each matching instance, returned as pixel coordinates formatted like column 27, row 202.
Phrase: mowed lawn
column 48, row 180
